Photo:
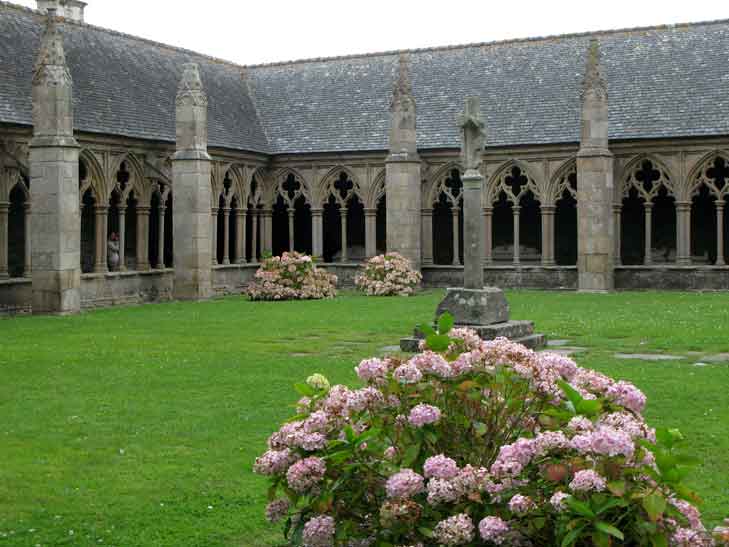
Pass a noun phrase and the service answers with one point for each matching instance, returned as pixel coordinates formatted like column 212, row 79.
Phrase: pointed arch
column 498, row 182
column 94, row 178
column 628, row 180
column 326, row 186
column 376, row 190
column 698, row 175
column 137, row 179
column 437, row 179
column 562, row 181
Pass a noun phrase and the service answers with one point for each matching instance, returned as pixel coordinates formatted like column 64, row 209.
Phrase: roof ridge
column 604, row 32
column 36, row 13
column 507, row 41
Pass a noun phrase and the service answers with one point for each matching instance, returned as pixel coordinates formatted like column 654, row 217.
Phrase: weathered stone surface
column 648, row 356
column 557, row 343
column 475, row 307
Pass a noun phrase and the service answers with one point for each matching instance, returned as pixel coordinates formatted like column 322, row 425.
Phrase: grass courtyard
column 139, row 426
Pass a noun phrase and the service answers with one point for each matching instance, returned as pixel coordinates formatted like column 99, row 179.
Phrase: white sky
column 261, row 31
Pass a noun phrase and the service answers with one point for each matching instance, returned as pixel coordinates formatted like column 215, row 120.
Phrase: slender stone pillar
column 240, row 236
column 191, row 183
column 226, row 235
column 317, row 233
column 102, row 217
column 214, row 236
column 648, row 253
column 473, row 235
column 595, row 245
column 343, row 224
column 402, row 172
column 161, row 238
column 27, row 258
column 370, row 232
column 456, row 247
column 55, row 241
column 4, row 239
column 267, row 231
column 548, row 235
column 291, row 213
column 122, row 239
column 427, row 236
column 720, row 233
column 517, row 236
column 683, row 226
column 254, row 236
column 143, row 238
column 488, row 244
column 617, row 253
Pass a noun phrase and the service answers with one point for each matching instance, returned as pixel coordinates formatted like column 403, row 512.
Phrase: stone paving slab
column 717, row 358
column 390, row 349
column 557, row 343
column 567, row 351
column 649, row 356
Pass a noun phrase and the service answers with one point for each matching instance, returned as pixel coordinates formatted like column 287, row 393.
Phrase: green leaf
column 616, row 488
column 445, row 323
column 579, row 507
column 426, row 329
column 659, row 540
column 438, row 342
column 609, row 529
column 601, row 539
column 305, row 389
column 572, row 394
column 590, row 407
column 480, row 428
column 654, row 504
column 570, row 538
column 427, row 532
column 411, row 455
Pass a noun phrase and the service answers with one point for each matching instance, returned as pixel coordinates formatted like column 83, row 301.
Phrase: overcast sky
column 263, row 31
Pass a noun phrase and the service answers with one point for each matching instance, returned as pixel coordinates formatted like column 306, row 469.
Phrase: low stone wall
column 345, row 272
column 119, row 288
column 507, row 277
column 671, row 277
column 16, row 295
column 232, row 279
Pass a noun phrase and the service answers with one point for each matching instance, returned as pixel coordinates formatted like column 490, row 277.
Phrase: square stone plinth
column 475, row 306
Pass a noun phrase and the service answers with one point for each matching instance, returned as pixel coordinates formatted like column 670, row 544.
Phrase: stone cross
column 472, row 134
column 472, row 142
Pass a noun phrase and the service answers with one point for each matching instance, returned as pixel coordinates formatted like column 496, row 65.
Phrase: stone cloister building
column 606, row 161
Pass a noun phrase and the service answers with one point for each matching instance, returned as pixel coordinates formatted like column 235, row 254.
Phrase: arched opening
column 302, row 226
column 154, row 231
column 130, row 232
column 530, row 228
column 663, row 232
column 703, row 226
column 355, row 230
column 16, row 232
column 220, row 252
column 169, row 236
column 113, row 260
column 565, row 222
column 503, row 229
column 632, row 229
column 233, row 230
column 332, row 230
column 280, row 221
column 448, row 221
column 381, row 226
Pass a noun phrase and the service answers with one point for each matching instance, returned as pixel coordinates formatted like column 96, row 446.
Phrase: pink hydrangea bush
column 482, row 443
column 390, row 274
column 291, row 276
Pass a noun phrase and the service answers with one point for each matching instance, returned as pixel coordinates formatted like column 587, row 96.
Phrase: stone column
column 254, row 236
column 648, row 256
column 720, row 233
column 4, row 239
column 122, row 239
column 214, row 236
column 343, row 224
column 240, row 237
column 317, row 233
column 370, row 232
column 683, row 230
column 456, row 247
column 517, row 237
column 54, row 153
column 226, row 235
column 595, row 245
column 161, row 238
column 548, row 235
column 267, row 231
column 427, row 236
column 191, row 183
column 27, row 258
column 488, row 244
column 472, row 230
column 291, row 213
column 402, row 172
column 143, row 238
column 617, row 253
column 102, row 216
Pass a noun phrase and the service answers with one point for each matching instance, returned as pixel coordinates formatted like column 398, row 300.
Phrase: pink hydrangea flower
column 493, row 529
column 407, row 374
column 627, row 395
column 305, row 474
column 277, row 510
column 587, row 481
column 558, row 501
column 440, row 467
column 371, row 370
column 521, row 505
column 455, row 530
column 319, row 532
column 404, row 484
column 423, row 414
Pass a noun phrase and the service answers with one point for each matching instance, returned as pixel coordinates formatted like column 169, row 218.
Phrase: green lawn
column 139, row 426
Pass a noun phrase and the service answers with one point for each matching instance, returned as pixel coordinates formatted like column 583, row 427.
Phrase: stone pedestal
column 473, row 229
column 471, row 307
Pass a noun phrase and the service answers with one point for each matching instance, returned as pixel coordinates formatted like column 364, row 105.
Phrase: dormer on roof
column 70, row 9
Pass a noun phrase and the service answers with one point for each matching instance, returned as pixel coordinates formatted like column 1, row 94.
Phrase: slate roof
column 670, row 81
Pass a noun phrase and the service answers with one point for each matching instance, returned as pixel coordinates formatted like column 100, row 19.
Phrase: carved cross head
column 472, row 134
